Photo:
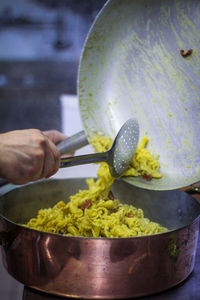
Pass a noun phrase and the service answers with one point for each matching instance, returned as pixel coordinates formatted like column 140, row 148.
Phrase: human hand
column 29, row 155
column 57, row 137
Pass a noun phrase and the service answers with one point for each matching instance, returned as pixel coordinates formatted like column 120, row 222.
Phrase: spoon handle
column 83, row 159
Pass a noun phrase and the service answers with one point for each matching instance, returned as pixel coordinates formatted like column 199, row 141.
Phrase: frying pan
column 95, row 268
column 131, row 66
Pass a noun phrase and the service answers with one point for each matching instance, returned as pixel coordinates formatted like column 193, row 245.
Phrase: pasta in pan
column 95, row 212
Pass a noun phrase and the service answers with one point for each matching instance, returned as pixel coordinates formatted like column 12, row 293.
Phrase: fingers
column 55, row 136
column 47, row 158
column 51, row 160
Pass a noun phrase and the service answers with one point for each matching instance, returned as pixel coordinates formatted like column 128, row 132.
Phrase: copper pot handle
column 192, row 190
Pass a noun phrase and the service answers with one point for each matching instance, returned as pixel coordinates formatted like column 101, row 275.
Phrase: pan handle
column 71, row 143
column 193, row 190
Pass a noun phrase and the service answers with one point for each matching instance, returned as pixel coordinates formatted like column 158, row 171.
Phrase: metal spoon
column 120, row 154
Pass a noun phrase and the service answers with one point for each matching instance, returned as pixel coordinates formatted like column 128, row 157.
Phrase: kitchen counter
column 10, row 289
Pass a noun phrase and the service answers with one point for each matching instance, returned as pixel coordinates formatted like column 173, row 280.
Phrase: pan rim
column 12, row 188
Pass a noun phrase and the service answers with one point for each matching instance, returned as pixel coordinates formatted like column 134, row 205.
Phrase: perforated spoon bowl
column 120, row 154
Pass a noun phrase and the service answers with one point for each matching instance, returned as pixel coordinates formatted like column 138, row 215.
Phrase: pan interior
column 131, row 66
column 173, row 209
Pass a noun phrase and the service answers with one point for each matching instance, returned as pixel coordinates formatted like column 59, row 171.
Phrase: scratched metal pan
column 131, row 66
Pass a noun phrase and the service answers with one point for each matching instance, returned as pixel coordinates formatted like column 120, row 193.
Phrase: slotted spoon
column 120, row 154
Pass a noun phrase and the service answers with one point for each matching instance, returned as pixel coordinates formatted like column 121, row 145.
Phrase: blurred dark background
column 40, row 47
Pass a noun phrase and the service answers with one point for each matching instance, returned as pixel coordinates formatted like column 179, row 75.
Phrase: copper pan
column 99, row 267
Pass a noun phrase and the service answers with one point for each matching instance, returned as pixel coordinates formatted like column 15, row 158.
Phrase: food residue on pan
column 96, row 212
column 186, row 53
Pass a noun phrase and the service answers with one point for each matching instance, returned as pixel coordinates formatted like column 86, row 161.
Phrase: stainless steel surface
column 118, row 157
column 99, row 267
column 131, row 66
